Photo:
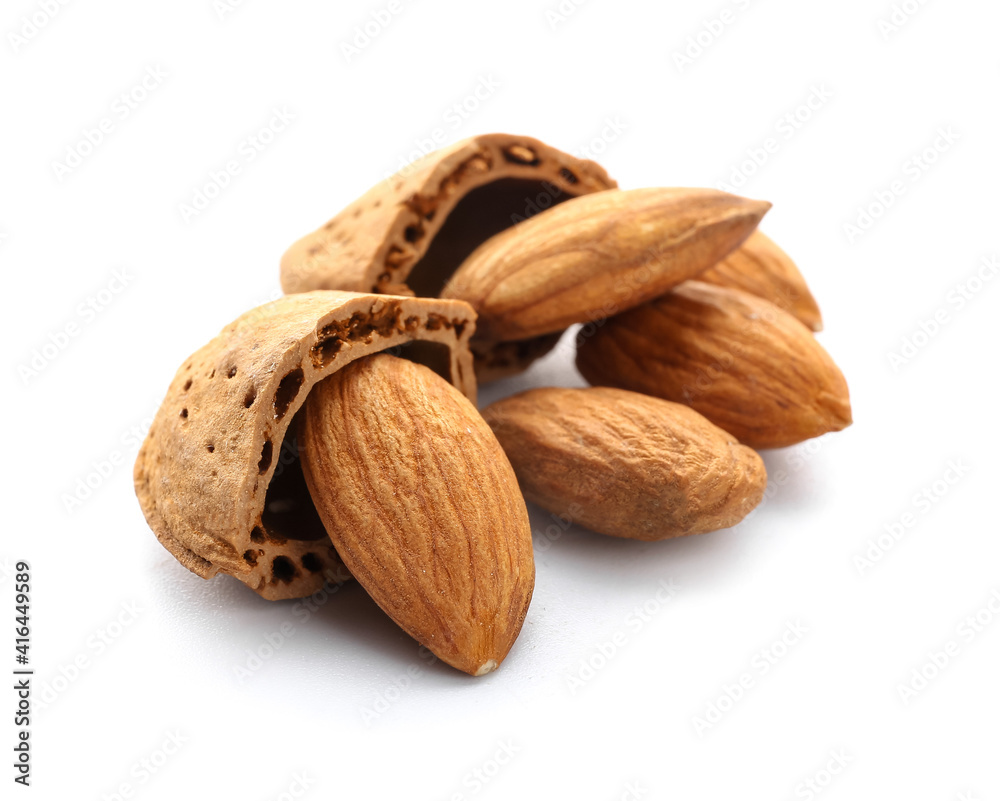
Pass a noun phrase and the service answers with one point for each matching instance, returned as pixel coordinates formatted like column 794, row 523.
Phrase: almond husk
column 216, row 478
column 408, row 233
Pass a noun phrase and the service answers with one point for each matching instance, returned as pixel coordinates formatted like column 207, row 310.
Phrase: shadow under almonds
column 339, row 637
column 333, row 636
column 337, row 633
column 560, row 543
column 791, row 475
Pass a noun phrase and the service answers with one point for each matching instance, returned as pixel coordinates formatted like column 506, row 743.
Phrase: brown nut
column 597, row 255
column 626, row 464
column 422, row 505
column 746, row 365
column 763, row 269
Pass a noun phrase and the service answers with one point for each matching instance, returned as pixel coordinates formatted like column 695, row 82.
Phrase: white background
column 630, row 730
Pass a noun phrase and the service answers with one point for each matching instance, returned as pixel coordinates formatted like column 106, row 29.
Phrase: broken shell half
column 409, row 233
column 218, row 479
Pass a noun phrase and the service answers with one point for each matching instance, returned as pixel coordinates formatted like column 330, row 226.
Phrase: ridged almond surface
column 597, row 255
column 763, row 269
column 748, row 366
column 422, row 505
column 626, row 464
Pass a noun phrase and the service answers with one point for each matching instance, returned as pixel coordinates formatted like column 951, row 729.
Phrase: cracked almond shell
column 407, row 234
column 218, row 480
column 748, row 366
column 626, row 464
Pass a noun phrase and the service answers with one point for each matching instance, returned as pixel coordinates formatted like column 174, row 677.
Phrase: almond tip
column 487, row 667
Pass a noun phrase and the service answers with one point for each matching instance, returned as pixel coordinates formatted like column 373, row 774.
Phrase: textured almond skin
column 422, row 504
column 597, row 255
column 746, row 365
column 626, row 464
column 763, row 269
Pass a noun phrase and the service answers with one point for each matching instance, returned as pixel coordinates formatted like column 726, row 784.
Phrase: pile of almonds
column 334, row 433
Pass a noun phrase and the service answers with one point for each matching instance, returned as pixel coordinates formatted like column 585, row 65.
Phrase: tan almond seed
column 597, row 255
column 422, row 505
column 763, row 269
column 626, row 464
column 748, row 366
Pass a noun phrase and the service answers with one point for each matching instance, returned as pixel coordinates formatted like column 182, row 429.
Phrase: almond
column 422, row 505
column 626, row 464
column 763, row 269
column 748, row 366
column 597, row 255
